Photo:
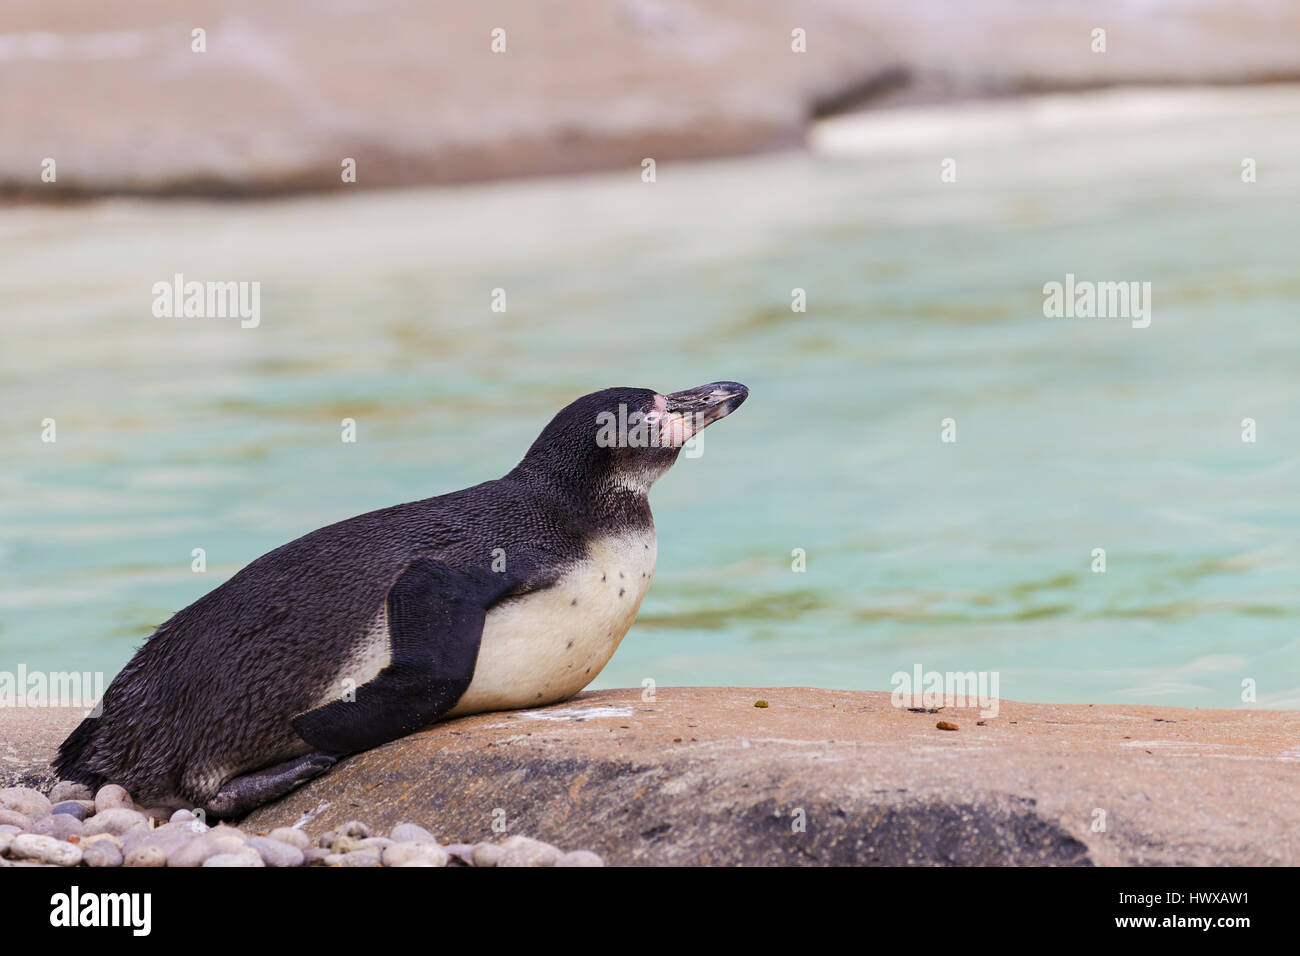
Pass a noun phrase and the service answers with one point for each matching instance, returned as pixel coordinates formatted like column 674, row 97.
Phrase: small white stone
column 115, row 820
column 290, row 835
column 111, row 797
column 366, row 857
column 580, row 858
column 411, row 833
column 245, row 857
column 67, row 790
column 30, row 803
column 276, row 852
column 150, row 855
column 524, row 851
column 487, row 854
column 101, row 854
column 58, row 825
column 409, row 853
column 34, row 846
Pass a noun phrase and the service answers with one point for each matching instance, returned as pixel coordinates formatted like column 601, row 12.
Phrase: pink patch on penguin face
column 675, row 429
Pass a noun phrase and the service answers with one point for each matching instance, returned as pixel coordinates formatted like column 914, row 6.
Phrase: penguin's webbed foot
column 240, row 795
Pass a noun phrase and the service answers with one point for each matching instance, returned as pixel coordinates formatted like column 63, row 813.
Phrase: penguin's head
column 625, row 438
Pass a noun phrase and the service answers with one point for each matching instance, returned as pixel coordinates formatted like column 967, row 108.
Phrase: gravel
column 71, row 826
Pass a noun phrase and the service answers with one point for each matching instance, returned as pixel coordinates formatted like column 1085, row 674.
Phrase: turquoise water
column 924, row 303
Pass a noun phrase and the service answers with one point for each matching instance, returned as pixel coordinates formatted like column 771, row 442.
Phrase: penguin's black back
column 212, row 692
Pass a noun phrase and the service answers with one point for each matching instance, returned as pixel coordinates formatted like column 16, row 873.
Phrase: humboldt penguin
column 513, row 593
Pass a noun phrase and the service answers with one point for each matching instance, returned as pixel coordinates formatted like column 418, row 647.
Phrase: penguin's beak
column 691, row 411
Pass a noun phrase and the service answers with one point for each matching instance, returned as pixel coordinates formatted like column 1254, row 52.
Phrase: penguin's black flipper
column 435, row 623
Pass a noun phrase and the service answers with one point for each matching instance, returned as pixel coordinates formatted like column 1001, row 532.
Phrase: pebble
column 462, row 854
column 410, row 853
column 74, row 826
column 116, row 820
column 276, row 852
column 111, row 797
column 244, row 857
column 25, row 800
column 228, row 839
column 101, row 853
column 580, row 858
column 291, row 836
column 46, row 849
column 487, row 854
column 346, row 844
column 411, row 833
column 100, row 838
column 150, row 855
column 524, row 851
column 67, row 790
column 13, row 818
column 355, row 829
column 365, row 857
column 168, row 841
column 194, row 852
column 73, row 808
column 58, row 825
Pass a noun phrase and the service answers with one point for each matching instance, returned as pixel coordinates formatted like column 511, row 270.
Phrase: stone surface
column 14, row 819
column 115, row 820
column 702, row 776
column 24, row 800
column 368, row 856
column 412, row 853
column 411, row 833
column 580, row 858
column 45, row 849
column 149, row 855
column 523, row 851
column 113, row 797
column 101, row 855
column 65, row 790
column 119, row 99
column 245, row 857
column 276, row 852
column 72, row 808
column 61, row 826
column 294, row 837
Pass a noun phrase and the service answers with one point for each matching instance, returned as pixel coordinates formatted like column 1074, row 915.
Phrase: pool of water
column 924, row 302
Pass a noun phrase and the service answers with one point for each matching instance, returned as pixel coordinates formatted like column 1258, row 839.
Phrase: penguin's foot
column 240, row 795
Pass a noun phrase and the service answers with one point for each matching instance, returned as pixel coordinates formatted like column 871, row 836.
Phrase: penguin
column 509, row 594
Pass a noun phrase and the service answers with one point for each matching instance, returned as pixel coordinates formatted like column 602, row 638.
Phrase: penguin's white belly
column 546, row 646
